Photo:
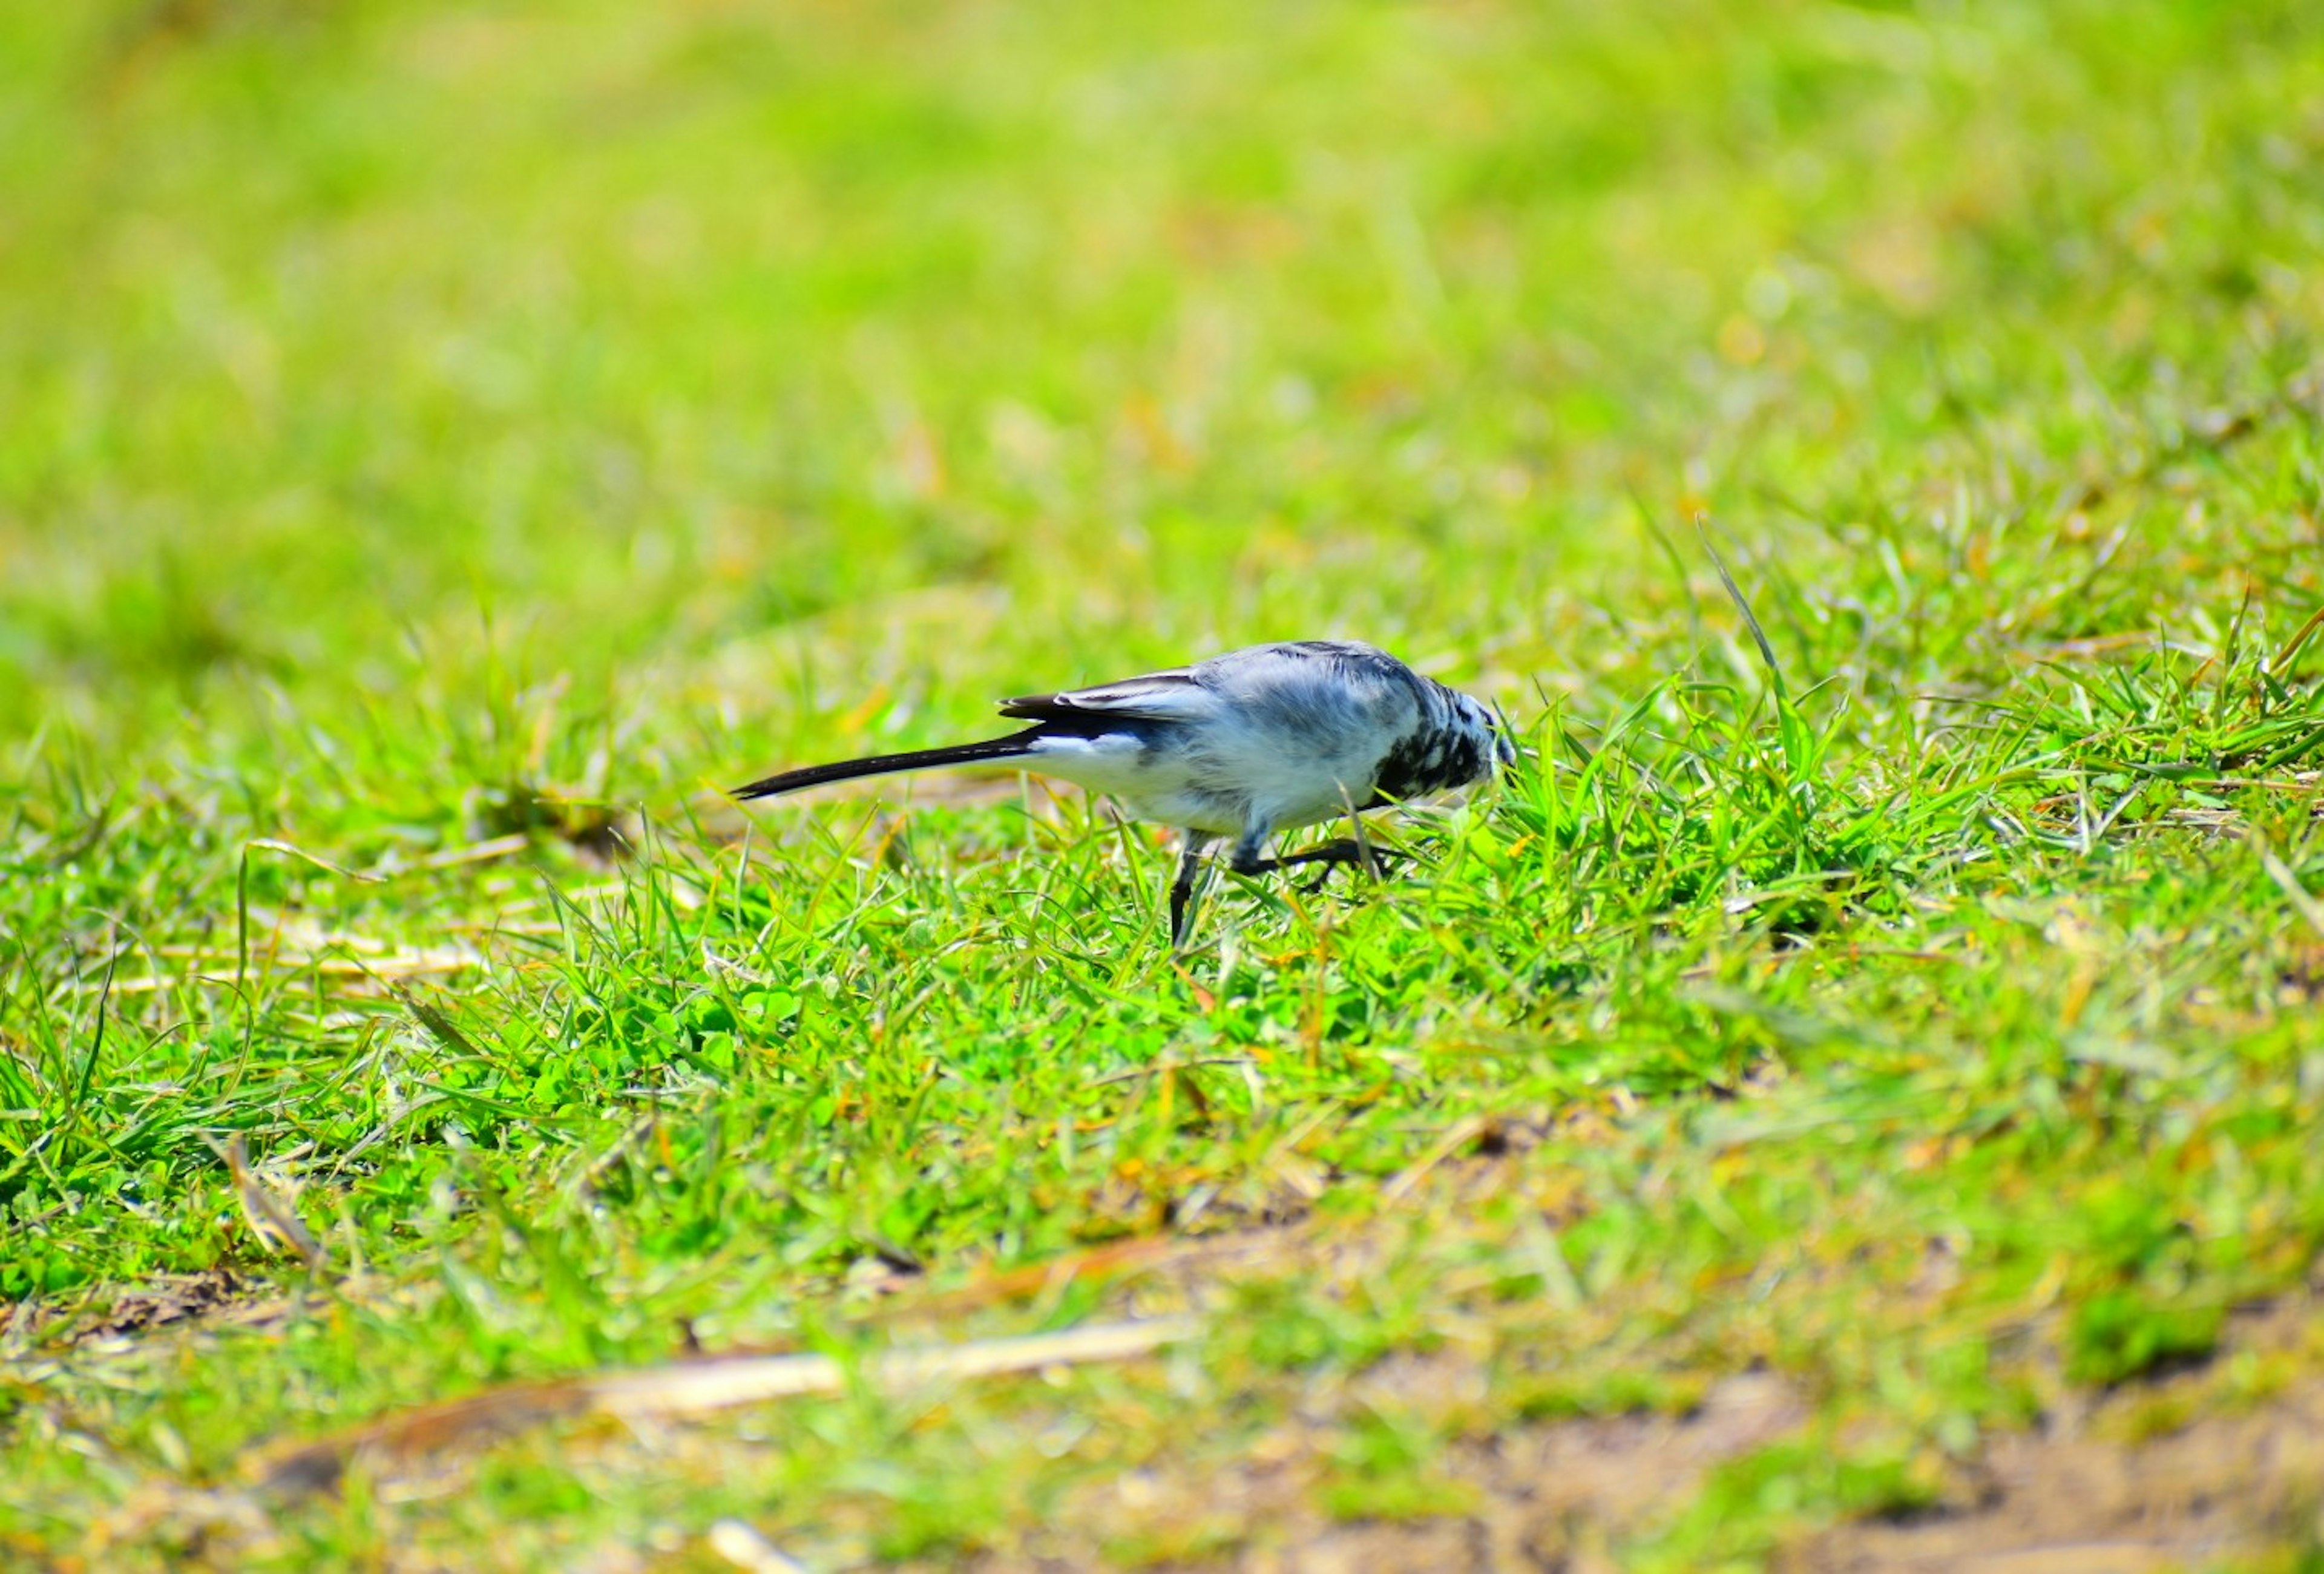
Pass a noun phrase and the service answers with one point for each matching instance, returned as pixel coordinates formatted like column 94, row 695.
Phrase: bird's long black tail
column 1015, row 746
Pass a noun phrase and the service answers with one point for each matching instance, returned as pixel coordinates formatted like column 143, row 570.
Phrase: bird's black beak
column 1505, row 738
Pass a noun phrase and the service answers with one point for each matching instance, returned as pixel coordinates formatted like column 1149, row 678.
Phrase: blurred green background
column 422, row 423
column 1020, row 343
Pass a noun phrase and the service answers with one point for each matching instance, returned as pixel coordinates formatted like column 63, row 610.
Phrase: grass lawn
column 1853, row 1099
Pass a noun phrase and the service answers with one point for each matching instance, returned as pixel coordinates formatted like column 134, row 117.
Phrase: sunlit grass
column 442, row 448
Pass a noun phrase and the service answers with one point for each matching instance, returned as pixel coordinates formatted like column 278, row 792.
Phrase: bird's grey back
column 1322, row 688
column 1317, row 692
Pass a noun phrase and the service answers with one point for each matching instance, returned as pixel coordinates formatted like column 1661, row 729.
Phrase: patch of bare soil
column 1554, row 1497
column 1546, row 1498
column 122, row 1313
column 2156, row 1476
column 2119, row 1489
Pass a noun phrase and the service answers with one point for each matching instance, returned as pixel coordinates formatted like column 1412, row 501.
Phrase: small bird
column 1245, row 745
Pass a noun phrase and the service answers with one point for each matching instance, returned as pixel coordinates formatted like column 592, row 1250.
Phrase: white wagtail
column 1244, row 745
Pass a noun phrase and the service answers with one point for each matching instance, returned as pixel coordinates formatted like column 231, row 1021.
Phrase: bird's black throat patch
column 1431, row 759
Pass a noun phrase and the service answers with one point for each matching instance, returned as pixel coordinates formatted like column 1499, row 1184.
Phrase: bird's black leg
column 1245, row 858
column 1182, row 887
column 1347, row 852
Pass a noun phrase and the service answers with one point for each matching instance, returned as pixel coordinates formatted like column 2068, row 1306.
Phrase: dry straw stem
column 694, row 1387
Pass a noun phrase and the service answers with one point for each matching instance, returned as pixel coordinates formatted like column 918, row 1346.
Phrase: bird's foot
column 1346, row 853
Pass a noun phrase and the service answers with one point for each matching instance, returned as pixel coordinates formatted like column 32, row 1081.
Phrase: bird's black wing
column 1176, row 695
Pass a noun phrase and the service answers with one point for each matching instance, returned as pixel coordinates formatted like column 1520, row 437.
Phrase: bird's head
column 1487, row 725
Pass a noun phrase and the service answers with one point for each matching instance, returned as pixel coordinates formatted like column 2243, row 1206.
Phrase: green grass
column 425, row 426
